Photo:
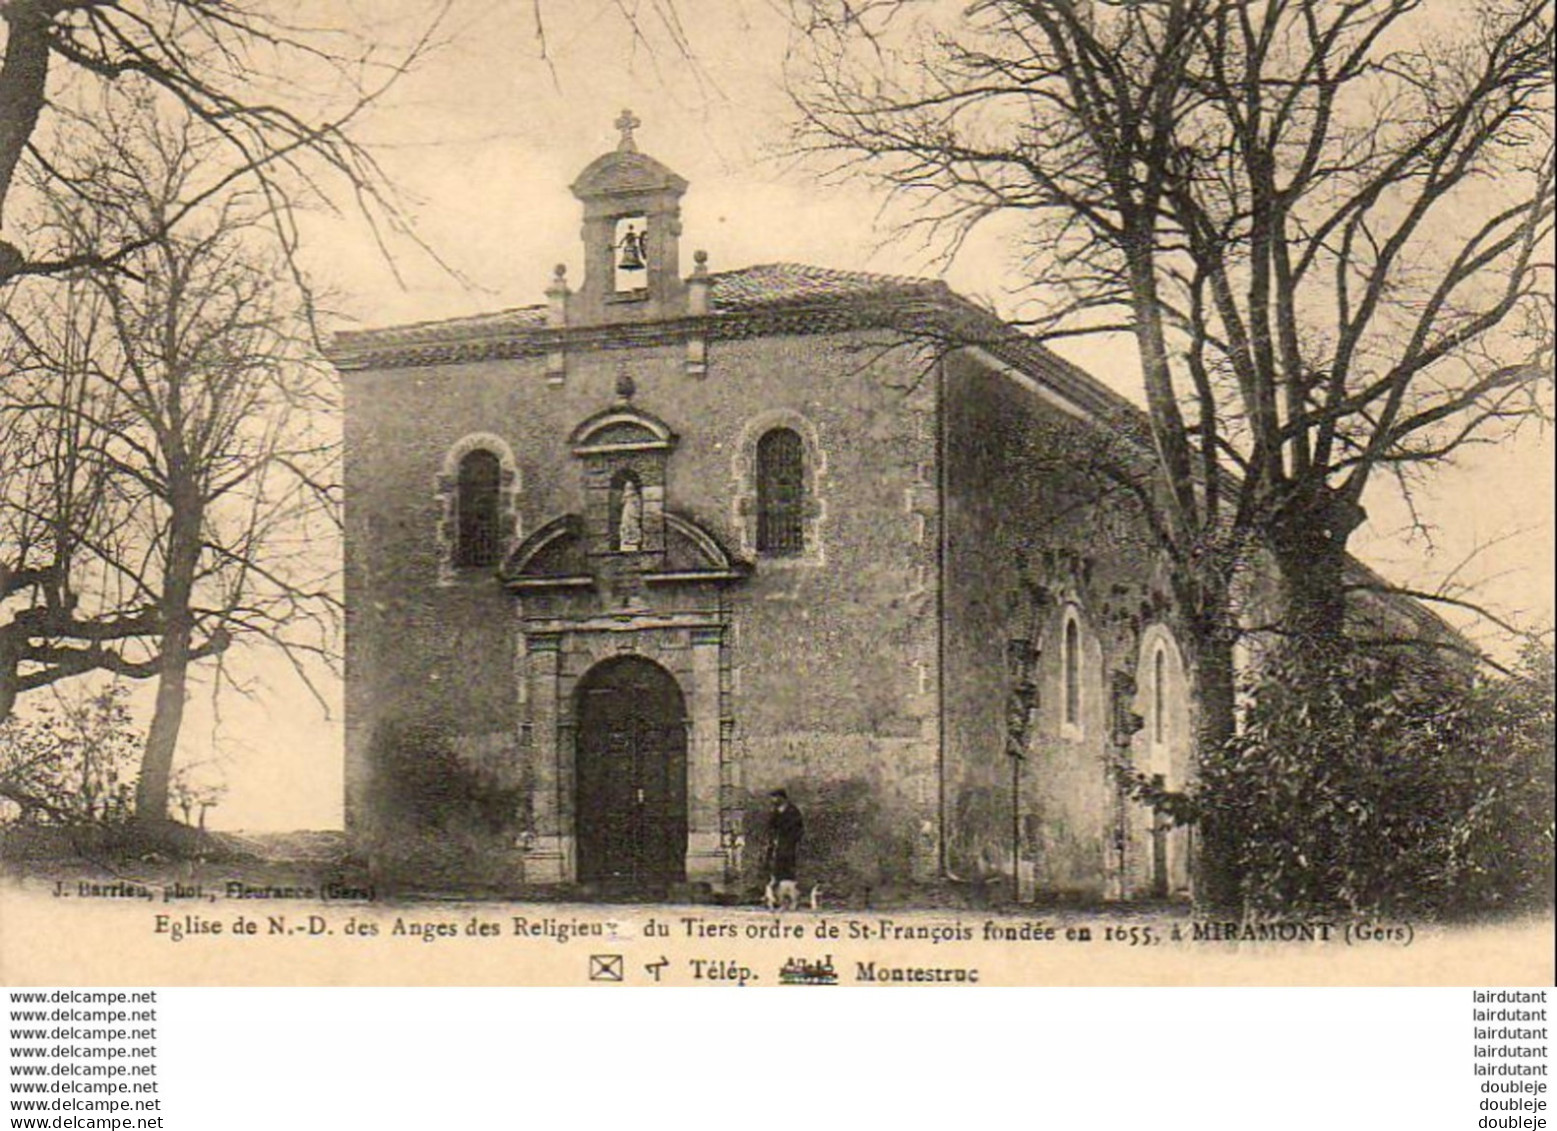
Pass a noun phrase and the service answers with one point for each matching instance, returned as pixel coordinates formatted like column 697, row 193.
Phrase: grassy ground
column 41, row 857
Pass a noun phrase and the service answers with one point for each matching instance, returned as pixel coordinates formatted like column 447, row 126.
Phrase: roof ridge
column 427, row 325
column 820, row 269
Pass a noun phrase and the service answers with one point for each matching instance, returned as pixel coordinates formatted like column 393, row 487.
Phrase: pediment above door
column 557, row 556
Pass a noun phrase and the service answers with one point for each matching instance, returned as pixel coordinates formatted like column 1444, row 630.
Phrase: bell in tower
column 632, row 252
column 632, row 229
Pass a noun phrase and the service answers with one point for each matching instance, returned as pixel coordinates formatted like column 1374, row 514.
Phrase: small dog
column 784, row 895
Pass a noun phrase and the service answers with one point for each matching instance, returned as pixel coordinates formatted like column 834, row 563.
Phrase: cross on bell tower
column 632, row 230
column 626, row 123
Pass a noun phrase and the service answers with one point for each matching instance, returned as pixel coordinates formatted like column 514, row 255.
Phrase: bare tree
column 71, row 74
column 60, row 506
column 162, row 443
column 1325, row 224
column 235, row 67
column 195, row 793
column 209, row 420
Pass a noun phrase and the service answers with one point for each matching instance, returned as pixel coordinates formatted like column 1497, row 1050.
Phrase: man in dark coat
column 785, row 828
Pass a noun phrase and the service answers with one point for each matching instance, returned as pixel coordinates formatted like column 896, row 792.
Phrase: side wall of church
column 830, row 661
column 1035, row 543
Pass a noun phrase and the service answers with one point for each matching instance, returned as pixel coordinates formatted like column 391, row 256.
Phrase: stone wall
column 828, row 671
column 1035, row 537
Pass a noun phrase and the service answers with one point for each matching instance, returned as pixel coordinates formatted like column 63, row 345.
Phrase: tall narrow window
column 781, row 490
column 476, row 507
column 1072, row 661
column 1159, row 697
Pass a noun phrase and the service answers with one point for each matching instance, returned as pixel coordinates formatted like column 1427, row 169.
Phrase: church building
column 620, row 564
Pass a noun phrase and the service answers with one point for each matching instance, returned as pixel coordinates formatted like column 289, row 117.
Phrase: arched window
column 781, row 490
column 1072, row 675
column 476, row 508
column 1159, row 696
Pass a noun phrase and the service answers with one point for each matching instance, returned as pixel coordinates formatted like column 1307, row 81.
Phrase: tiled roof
column 771, row 284
column 518, row 319
column 751, row 292
column 767, row 298
column 748, row 289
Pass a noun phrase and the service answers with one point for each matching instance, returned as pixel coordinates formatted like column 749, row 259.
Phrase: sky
column 482, row 140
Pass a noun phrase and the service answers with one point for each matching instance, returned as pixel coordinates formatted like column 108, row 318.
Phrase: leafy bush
column 70, row 761
column 1399, row 784
column 1500, row 851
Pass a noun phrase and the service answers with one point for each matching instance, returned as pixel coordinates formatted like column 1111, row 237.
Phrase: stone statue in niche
column 629, row 528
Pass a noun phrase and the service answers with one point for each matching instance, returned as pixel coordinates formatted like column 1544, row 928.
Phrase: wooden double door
column 630, row 805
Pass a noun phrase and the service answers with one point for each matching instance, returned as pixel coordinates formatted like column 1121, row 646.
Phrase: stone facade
column 932, row 655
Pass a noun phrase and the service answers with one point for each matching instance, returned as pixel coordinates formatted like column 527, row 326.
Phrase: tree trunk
column 151, row 791
column 1216, row 874
column 1309, row 545
column 24, row 77
column 10, row 662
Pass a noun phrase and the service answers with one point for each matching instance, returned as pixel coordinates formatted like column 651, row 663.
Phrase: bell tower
column 632, row 230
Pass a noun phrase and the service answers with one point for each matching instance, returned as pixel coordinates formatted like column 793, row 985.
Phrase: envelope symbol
column 605, row 967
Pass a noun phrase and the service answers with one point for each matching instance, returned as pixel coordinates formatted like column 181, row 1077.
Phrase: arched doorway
column 630, row 800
